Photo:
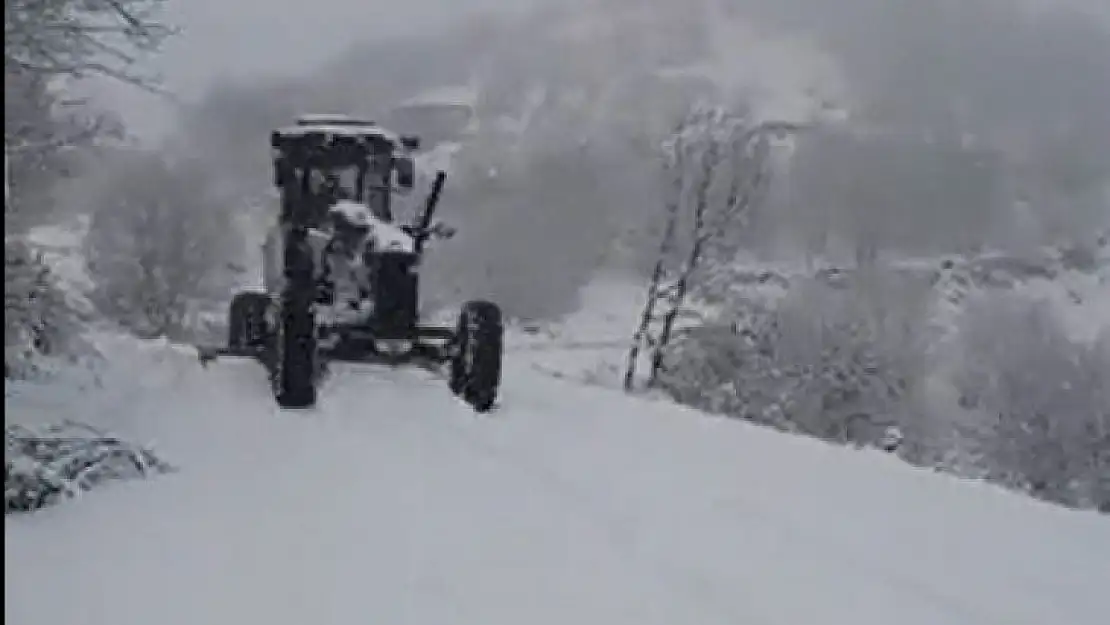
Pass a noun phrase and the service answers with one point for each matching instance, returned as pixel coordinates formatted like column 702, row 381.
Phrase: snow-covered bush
column 64, row 460
column 159, row 242
column 1040, row 402
column 952, row 363
column 841, row 364
column 38, row 320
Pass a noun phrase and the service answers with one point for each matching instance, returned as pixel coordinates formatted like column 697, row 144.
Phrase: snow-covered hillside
column 393, row 503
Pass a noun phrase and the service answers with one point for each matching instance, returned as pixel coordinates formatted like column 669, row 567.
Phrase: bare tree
column 717, row 164
column 50, row 42
column 45, row 137
column 80, row 38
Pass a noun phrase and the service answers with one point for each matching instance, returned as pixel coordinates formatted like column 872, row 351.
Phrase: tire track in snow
column 794, row 534
column 620, row 529
column 617, row 531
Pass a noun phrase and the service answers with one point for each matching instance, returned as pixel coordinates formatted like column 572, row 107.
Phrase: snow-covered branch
column 61, row 461
column 79, row 38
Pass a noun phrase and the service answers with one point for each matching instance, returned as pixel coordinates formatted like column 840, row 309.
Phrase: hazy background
column 964, row 124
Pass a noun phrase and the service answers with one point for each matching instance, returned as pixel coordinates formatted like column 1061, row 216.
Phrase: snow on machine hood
column 385, row 236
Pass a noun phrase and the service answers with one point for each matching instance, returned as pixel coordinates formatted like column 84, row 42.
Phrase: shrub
column 837, row 363
column 1039, row 400
column 38, row 319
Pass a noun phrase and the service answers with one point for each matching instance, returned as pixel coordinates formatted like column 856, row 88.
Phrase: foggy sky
column 251, row 38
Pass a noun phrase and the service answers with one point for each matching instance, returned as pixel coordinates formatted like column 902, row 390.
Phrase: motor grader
column 341, row 274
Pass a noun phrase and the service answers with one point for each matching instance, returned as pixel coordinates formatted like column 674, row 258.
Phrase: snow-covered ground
column 393, row 503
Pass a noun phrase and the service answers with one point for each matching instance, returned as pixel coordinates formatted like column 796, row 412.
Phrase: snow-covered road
column 392, row 503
